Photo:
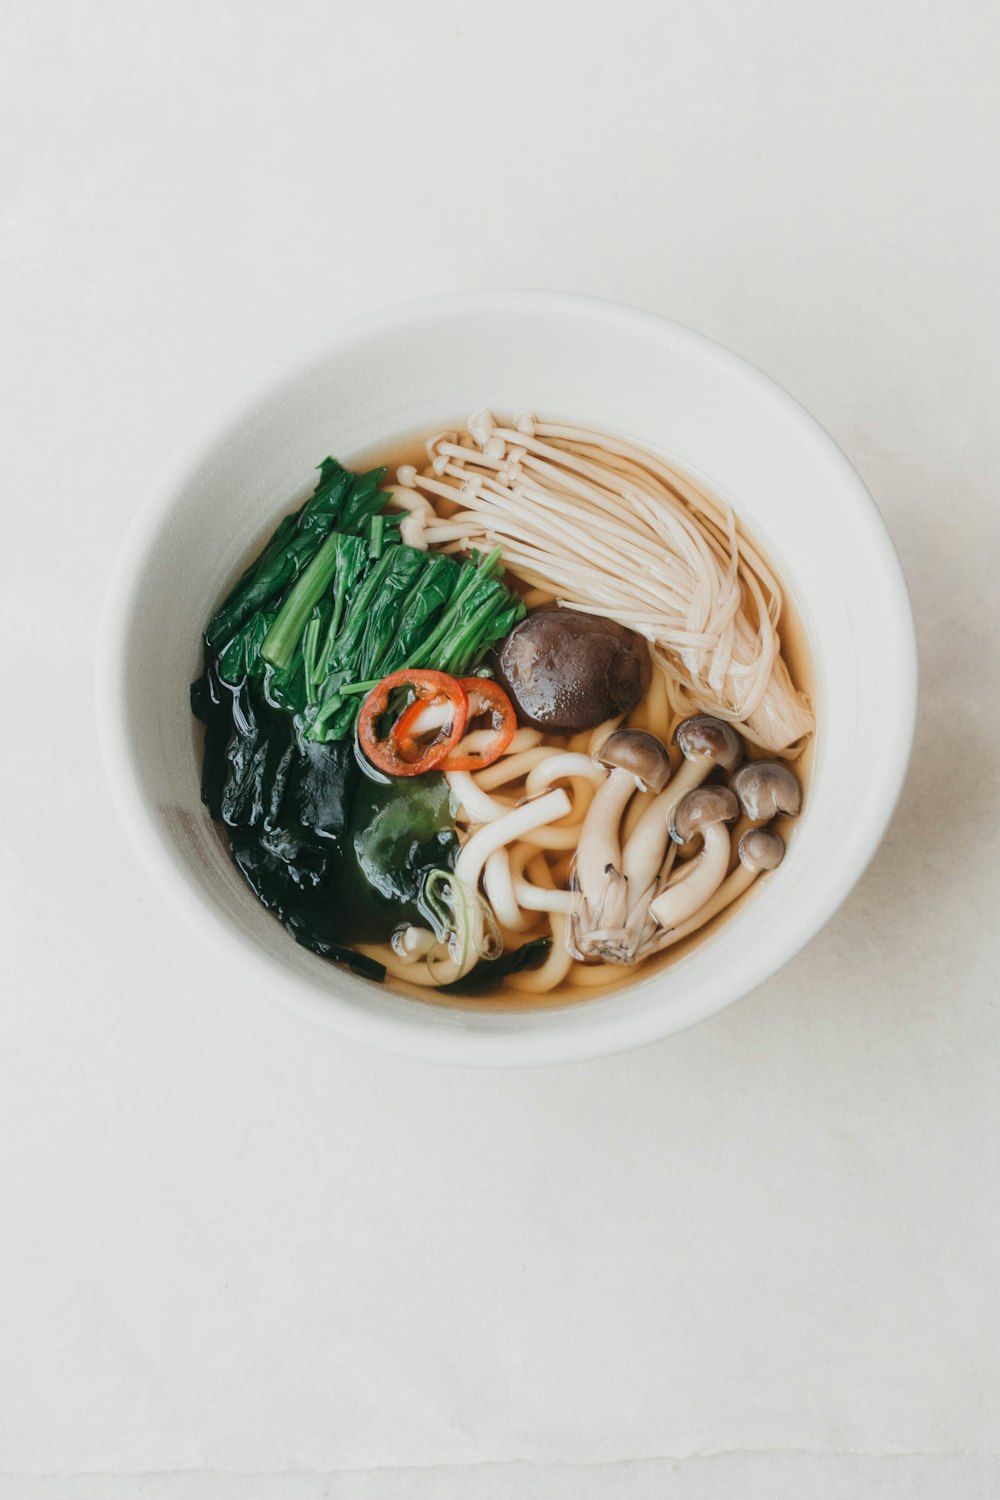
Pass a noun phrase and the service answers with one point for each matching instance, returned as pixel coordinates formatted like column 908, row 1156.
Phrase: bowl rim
column 600, row 1033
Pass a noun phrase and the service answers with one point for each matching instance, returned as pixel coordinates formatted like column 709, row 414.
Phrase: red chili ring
column 497, row 703
column 389, row 755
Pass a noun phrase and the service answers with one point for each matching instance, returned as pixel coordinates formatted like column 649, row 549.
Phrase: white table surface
column 242, row 1258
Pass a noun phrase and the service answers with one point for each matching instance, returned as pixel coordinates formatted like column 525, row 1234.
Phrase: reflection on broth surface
column 477, row 725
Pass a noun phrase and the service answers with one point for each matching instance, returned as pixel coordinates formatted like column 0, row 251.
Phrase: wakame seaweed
column 334, row 603
column 338, row 858
column 486, row 973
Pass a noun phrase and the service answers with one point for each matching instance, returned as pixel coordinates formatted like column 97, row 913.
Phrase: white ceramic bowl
column 427, row 364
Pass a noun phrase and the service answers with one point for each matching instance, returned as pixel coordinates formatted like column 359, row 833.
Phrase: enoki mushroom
column 611, row 529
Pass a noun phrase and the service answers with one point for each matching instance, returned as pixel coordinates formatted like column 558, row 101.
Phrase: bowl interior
column 429, row 364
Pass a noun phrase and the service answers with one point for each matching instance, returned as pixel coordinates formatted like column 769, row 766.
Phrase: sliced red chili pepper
column 410, row 759
column 405, row 731
column 496, row 703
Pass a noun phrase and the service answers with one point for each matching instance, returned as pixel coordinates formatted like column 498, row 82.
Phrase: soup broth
column 380, row 888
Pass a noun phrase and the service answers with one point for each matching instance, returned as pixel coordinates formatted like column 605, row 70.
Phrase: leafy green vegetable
column 380, row 625
column 412, row 609
column 333, row 604
column 336, row 602
column 426, row 599
column 241, row 657
column 341, row 498
column 290, row 549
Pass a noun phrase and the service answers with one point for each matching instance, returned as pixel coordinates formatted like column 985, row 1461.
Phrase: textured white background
column 758, row 1260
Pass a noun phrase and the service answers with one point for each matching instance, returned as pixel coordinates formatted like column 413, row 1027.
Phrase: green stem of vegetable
column 317, row 729
column 464, row 925
column 310, row 642
column 467, row 614
column 283, row 636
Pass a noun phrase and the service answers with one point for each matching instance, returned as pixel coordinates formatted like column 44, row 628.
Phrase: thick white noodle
column 532, row 896
column 513, row 767
column 559, row 960
column 476, row 803
column 501, row 893
column 524, row 822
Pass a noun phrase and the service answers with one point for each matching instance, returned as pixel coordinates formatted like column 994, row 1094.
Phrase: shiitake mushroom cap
column 566, row 671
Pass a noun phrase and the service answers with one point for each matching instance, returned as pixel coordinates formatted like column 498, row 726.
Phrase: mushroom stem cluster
column 759, row 850
column 706, row 812
column 614, row 530
column 636, row 762
column 633, row 896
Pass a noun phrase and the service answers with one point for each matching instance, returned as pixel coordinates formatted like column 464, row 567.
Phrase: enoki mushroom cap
column 761, row 849
column 700, row 809
column 766, row 788
column 642, row 755
column 703, row 737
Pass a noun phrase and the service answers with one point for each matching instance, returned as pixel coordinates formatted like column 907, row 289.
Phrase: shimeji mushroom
column 760, row 850
column 636, row 761
column 707, row 744
column 705, row 812
column 767, row 788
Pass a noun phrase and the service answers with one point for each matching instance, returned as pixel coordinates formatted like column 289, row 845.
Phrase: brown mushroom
column 705, row 812
column 767, row 788
column 760, row 849
column 566, row 671
column 636, row 761
column 707, row 744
